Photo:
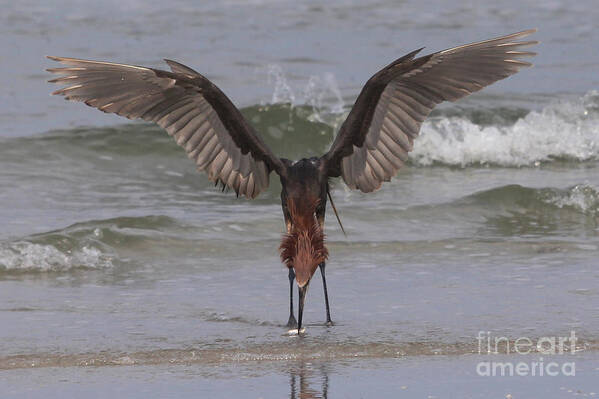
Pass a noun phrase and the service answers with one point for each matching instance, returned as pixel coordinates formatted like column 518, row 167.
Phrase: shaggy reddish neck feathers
column 303, row 248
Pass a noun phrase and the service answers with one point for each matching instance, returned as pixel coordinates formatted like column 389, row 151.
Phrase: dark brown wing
column 188, row 106
column 374, row 141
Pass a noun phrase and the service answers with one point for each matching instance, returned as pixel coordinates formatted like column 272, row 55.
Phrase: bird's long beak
column 302, row 296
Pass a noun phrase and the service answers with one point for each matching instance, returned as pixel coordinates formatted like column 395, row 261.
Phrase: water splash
column 282, row 92
column 321, row 93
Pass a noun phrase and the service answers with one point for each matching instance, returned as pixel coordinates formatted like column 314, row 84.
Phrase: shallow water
column 115, row 252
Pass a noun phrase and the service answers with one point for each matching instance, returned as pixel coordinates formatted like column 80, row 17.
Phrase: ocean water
column 119, row 262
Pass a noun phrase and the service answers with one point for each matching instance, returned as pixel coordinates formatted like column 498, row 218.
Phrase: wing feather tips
column 497, row 41
column 177, row 67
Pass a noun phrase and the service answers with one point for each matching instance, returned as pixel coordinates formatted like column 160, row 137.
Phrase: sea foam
column 567, row 130
column 32, row 257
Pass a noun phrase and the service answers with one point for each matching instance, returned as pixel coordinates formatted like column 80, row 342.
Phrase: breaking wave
column 566, row 130
column 104, row 244
column 508, row 137
column 27, row 257
column 89, row 245
column 456, row 135
column 581, row 198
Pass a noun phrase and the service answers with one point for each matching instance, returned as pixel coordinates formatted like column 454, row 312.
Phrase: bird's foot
column 292, row 323
column 329, row 323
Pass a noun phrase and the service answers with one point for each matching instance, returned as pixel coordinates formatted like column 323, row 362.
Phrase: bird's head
column 303, row 247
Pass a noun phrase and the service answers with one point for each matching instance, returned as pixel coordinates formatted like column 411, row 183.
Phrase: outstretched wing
column 188, row 106
column 374, row 141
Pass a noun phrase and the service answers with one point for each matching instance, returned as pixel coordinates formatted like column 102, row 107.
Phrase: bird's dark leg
column 300, row 313
column 326, row 295
column 292, row 323
column 320, row 214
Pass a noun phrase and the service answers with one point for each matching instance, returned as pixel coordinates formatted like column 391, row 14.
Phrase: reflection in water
column 308, row 380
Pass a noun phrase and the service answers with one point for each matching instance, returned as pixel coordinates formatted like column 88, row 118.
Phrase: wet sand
column 410, row 377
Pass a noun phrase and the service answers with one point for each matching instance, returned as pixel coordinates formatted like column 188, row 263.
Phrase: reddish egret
column 369, row 149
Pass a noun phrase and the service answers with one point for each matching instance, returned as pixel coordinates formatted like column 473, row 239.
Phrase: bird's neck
column 303, row 247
